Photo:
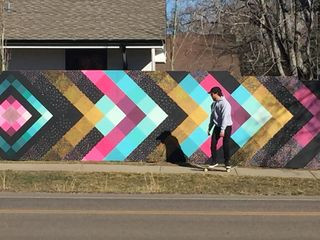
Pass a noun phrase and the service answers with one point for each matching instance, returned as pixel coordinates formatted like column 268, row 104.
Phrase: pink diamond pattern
column 12, row 115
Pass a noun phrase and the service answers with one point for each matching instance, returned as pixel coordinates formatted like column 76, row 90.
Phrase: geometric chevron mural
column 14, row 115
column 127, row 115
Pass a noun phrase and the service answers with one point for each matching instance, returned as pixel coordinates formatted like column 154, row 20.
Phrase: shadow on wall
column 174, row 153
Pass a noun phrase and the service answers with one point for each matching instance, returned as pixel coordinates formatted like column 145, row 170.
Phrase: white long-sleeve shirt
column 220, row 114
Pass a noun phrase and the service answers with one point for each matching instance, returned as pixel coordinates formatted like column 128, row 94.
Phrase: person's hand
column 209, row 133
column 222, row 134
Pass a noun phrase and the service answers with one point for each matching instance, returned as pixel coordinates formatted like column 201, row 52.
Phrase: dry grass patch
column 67, row 182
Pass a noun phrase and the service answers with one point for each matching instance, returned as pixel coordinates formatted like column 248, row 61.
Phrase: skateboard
column 206, row 168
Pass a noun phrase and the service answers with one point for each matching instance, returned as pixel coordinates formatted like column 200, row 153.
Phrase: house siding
column 54, row 59
column 37, row 59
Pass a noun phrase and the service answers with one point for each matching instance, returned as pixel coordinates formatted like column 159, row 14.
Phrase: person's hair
column 216, row 90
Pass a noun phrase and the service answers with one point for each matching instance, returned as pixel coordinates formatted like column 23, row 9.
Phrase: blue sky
column 170, row 4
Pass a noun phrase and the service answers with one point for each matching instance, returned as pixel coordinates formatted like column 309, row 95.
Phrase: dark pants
column 226, row 141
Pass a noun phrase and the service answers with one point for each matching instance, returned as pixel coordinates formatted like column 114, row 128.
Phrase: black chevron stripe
column 175, row 114
column 307, row 154
column 300, row 117
column 226, row 80
column 65, row 115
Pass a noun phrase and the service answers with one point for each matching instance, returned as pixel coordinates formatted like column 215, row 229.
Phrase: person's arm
column 225, row 115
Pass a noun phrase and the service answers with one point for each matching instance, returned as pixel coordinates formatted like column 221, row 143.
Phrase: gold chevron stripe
column 91, row 115
column 196, row 115
column 280, row 117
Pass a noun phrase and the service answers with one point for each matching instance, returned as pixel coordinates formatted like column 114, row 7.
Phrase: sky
column 170, row 4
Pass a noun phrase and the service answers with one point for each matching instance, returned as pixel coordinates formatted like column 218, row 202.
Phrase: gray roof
column 86, row 20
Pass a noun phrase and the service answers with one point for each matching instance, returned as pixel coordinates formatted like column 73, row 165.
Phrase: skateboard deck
column 205, row 167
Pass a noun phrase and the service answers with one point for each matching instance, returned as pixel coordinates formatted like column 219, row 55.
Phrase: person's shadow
column 174, row 153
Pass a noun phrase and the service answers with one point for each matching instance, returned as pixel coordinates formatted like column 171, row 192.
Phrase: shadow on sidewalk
column 174, row 153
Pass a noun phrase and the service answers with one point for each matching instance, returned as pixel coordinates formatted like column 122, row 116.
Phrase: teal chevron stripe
column 194, row 89
column 252, row 105
column 115, row 155
column 130, row 142
column 154, row 116
column 146, row 105
column 193, row 142
column 241, row 95
column 241, row 137
column 259, row 116
column 4, row 85
column 262, row 115
column 115, row 75
column 189, row 84
column 200, row 96
column 112, row 115
column 4, row 145
column 189, row 147
column 131, row 89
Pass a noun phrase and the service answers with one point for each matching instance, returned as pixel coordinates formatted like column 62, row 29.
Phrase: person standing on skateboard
column 222, row 121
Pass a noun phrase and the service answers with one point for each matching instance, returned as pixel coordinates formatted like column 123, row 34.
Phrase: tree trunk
column 174, row 33
column 302, row 70
column 288, row 18
column 309, row 19
column 272, row 38
column 2, row 50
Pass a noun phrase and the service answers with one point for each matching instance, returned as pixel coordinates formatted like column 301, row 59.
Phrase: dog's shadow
column 174, row 153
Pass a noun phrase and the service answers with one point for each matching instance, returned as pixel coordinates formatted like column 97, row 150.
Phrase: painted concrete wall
column 135, row 115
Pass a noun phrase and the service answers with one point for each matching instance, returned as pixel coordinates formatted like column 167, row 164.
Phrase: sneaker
column 228, row 168
column 213, row 166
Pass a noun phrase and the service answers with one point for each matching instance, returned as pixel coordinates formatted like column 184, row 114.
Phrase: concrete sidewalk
column 170, row 169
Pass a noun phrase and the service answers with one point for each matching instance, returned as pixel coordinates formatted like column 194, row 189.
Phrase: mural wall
column 138, row 116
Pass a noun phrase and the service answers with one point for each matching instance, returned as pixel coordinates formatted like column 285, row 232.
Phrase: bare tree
column 4, row 8
column 182, row 41
column 174, row 27
column 276, row 37
column 174, row 32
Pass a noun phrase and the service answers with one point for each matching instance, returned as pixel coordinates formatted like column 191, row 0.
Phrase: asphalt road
column 52, row 216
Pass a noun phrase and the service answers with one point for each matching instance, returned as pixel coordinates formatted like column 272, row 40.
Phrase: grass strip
column 71, row 182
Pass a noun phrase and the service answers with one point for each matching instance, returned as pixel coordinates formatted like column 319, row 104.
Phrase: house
column 84, row 34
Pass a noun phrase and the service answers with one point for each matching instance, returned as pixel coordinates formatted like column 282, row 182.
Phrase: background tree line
column 272, row 37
